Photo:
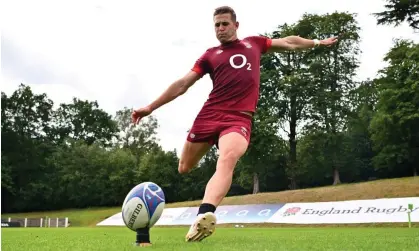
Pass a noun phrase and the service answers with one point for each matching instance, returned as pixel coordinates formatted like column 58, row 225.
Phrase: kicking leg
column 231, row 147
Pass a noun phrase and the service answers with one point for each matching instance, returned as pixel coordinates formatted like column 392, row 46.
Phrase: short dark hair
column 225, row 10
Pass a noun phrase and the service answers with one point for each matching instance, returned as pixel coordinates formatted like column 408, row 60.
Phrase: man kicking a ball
column 226, row 117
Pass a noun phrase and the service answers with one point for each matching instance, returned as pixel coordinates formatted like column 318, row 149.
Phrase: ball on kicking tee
column 143, row 206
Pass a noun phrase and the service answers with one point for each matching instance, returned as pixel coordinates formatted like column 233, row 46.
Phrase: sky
column 126, row 53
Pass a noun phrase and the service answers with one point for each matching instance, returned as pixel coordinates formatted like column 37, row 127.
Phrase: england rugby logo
column 291, row 211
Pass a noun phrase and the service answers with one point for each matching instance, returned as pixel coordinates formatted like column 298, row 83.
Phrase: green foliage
column 83, row 120
column 398, row 11
column 6, row 176
column 79, row 156
column 395, row 125
column 161, row 167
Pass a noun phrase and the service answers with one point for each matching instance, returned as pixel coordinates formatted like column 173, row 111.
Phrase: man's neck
column 231, row 41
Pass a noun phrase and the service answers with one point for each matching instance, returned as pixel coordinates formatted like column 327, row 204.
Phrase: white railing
column 35, row 222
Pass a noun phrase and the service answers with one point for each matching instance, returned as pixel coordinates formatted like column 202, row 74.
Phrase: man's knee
column 192, row 153
column 228, row 159
column 232, row 147
column 183, row 167
column 232, row 154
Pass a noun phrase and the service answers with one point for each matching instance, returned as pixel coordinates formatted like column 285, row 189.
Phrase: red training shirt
column 234, row 69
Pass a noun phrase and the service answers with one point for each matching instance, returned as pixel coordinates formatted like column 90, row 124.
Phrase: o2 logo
column 244, row 62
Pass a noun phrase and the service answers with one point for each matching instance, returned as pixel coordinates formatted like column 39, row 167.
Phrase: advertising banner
column 225, row 214
column 233, row 214
column 114, row 220
column 168, row 215
column 356, row 211
column 390, row 210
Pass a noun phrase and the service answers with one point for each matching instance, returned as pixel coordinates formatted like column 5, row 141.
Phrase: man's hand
column 138, row 114
column 176, row 89
column 328, row 42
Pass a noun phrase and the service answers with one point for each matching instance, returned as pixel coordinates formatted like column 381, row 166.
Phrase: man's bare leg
column 192, row 153
column 231, row 147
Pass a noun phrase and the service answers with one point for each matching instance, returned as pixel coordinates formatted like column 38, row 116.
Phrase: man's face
column 225, row 28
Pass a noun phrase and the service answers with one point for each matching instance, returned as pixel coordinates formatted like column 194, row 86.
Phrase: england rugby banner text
column 341, row 212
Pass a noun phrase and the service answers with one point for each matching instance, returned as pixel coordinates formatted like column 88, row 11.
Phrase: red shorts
column 210, row 125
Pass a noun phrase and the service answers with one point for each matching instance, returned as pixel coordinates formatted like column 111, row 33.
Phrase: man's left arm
column 298, row 43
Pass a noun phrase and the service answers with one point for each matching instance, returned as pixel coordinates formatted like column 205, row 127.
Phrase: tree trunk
column 334, row 119
column 293, row 184
column 293, row 163
column 255, row 183
column 336, row 178
column 292, row 140
column 415, row 172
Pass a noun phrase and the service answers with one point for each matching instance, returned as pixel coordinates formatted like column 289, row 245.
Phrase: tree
column 120, row 166
column 332, row 72
column 398, row 11
column 358, row 143
column 139, row 139
column 395, row 126
column 84, row 120
column 26, row 126
column 286, row 88
column 309, row 86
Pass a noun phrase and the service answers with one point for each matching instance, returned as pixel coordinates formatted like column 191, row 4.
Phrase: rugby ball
column 143, row 206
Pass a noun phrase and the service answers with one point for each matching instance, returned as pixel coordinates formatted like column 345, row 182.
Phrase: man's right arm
column 296, row 43
column 175, row 90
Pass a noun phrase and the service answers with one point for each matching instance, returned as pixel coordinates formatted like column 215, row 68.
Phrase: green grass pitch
column 228, row 239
